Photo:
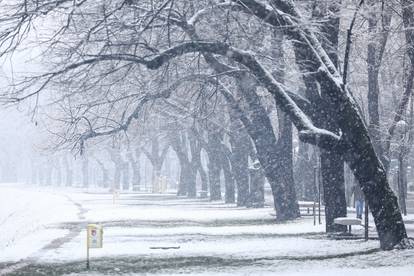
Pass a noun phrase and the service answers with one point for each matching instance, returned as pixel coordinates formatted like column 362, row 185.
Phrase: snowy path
column 213, row 238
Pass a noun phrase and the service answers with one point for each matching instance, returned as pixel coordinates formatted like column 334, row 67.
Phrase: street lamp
column 317, row 194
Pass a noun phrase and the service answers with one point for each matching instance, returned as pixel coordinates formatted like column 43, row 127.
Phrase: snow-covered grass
column 208, row 238
column 24, row 218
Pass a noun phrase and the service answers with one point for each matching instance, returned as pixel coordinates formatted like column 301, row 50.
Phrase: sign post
column 315, row 193
column 94, row 238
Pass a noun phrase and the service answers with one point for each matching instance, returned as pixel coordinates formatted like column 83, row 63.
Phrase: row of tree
column 231, row 77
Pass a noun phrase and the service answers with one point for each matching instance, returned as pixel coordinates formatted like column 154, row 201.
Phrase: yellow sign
column 95, row 236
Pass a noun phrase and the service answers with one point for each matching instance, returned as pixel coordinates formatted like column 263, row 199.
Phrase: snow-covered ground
column 24, row 219
column 43, row 230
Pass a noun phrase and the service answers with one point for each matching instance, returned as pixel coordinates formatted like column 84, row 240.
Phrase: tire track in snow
column 73, row 231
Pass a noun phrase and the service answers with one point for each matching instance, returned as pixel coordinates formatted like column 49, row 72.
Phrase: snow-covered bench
column 348, row 222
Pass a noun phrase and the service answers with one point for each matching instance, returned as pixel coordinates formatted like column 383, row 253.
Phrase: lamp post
column 317, row 194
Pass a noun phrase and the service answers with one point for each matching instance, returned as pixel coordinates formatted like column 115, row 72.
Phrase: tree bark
column 214, row 161
column 115, row 158
column 257, row 181
column 136, row 175
column 332, row 168
column 188, row 172
column 156, row 157
column 58, row 170
column 285, row 141
column 376, row 49
column 105, row 174
column 229, row 187
column 125, row 174
column 332, row 163
column 68, row 172
column 240, row 141
column 333, row 183
column 303, row 172
column 85, row 171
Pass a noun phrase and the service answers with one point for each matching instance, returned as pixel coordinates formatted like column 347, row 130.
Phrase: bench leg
column 349, row 228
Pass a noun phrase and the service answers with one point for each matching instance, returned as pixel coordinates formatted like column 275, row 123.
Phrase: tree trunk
column 303, row 172
column 68, row 172
column 187, row 185
column 214, row 177
column 125, row 175
column 188, row 170
column 240, row 143
column 269, row 154
column 117, row 178
column 204, row 181
column 114, row 154
column 156, row 177
column 195, row 163
column 58, row 170
column 41, row 176
column 214, row 163
column 376, row 48
column 257, row 181
column 182, row 188
column 285, row 147
column 157, row 159
column 105, row 175
column 136, row 175
column 85, row 171
column 48, row 173
column 332, row 168
column 190, row 180
column 229, row 187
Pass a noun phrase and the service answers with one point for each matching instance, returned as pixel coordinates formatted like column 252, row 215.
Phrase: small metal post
column 366, row 220
column 314, row 213
column 401, row 184
column 319, row 201
column 314, row 195
column 87, row 249
column 403, row 194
